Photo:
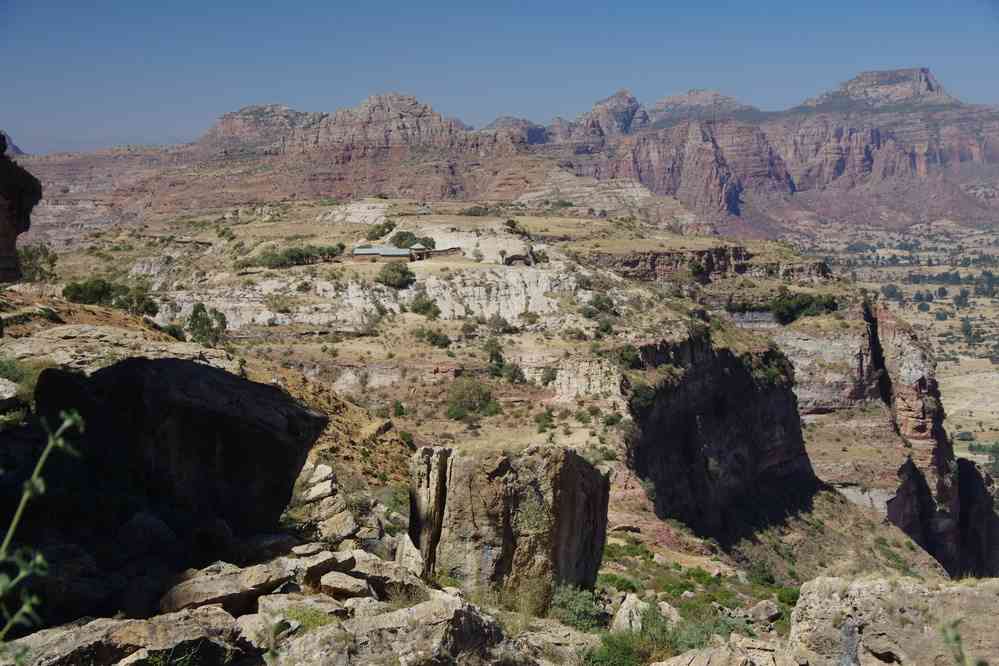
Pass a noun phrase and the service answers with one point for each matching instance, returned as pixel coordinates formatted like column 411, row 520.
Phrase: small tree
column 38, row 262
column 396, row 275
column 206, row 326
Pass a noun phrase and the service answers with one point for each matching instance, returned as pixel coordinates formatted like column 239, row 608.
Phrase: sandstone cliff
column 726, row 426
column 534, row 518
column 944, row 503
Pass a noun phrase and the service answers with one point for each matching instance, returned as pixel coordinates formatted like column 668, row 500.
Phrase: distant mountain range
column 886, row 148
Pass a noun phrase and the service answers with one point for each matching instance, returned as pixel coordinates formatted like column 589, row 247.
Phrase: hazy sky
column 85, row 74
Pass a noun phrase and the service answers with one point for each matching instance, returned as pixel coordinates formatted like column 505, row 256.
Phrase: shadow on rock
column 178, row 464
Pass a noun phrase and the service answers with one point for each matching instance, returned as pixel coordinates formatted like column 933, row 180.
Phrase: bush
column 296, row 256
column 98, row 291
column 514, row 374
column 12, row 370
column 617, row 582
column 643, row 397
column 788, row 595
column 175, row 331
column 787, row 307
column 545, row 420
column 468, row 396
column 408, row 239
column 426, row 306
column 207, row 326
column 548, row 375
column 38, row 262
column 396, row 275
column 576, row 607
column 433, row 338
column 378, row 230
column 628, row 357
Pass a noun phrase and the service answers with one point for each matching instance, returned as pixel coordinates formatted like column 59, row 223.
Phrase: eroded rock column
column 538, row 517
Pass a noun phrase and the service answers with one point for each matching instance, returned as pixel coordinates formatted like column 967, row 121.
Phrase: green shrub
column 433, row 338
column 787, row 307
column 545, row 420
column 788, row 595
column 206, row 326
column 408, row 239
column 396, row 275
column 376, row 231
column 548, row 375
column 643, row 397
column 576, row 607
column 617, row 582
column 38, row 262
column 426, row 306
column 12, row 370
column 514, row 374
column 466, row 396
column 295, row 256
column 98, row 291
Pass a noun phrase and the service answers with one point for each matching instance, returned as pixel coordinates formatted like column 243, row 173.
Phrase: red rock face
column 848, row 153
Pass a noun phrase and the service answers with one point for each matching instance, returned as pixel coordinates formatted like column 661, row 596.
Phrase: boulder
column 341, row 586
column 765, row 611
column 339, row 527
column 207, row 632
column 899, row 621
column 8, row 395
column 537, row 518
column 445, row 630
column 629, row 616
column 277, row 605
column 234, row 588
column 408, row 555
column 365, row 606
column 387, row 579
column 202, row 442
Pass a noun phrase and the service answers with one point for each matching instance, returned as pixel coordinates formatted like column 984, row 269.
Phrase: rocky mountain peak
column 696, row 104
column 698, row 98
column 510, row 122
column 886, row 88
column 621, row 113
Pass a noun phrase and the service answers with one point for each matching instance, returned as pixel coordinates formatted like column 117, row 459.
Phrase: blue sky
column 88, row 74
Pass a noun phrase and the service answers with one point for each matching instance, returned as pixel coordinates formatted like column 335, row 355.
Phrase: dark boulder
column 198, row 443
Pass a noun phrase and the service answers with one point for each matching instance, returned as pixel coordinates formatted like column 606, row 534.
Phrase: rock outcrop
column 887, row 88
column 204, row 635
column 512, row 520
column 900, row 621
column 201, row 441
column 20, row 192
column 724, row 427
column 945, row 504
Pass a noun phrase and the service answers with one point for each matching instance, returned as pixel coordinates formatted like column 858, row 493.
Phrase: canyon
column 584, row 421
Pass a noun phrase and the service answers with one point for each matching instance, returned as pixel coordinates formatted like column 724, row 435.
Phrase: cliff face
column 379, row 122
column 20, row 192
column 728, row 426
column 508, row 520
column 707, row 264
column 944, row 503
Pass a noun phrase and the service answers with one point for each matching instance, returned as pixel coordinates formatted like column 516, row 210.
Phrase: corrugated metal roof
column 381, row 251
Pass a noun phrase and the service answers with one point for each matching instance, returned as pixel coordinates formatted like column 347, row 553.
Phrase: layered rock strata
column 534, row 518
